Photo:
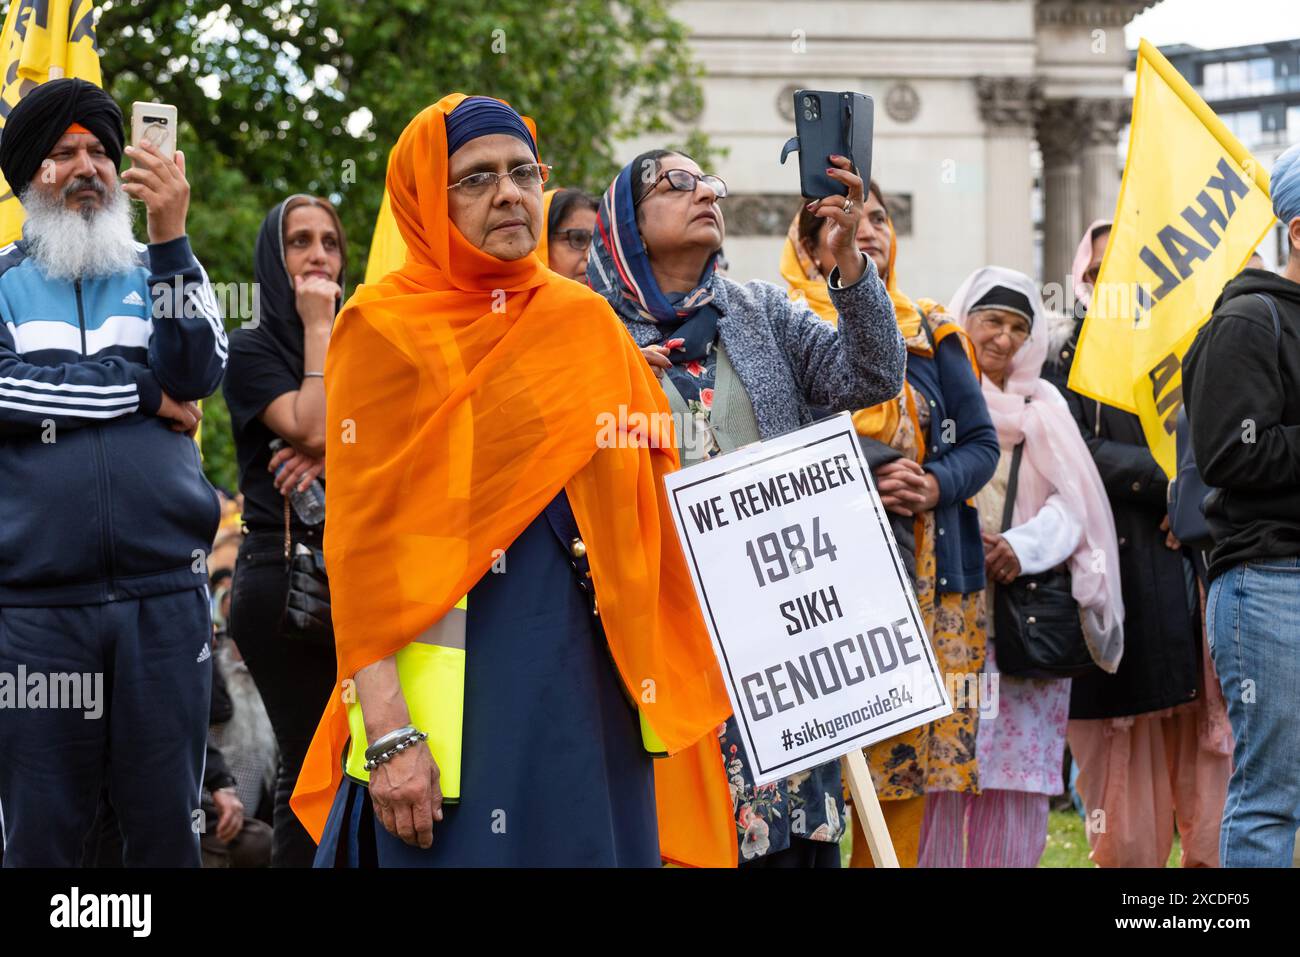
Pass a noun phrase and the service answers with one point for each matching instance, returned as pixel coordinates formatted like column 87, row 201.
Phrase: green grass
column 1067, row 843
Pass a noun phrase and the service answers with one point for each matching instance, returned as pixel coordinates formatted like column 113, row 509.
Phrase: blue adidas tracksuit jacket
column 104, row 518
column 101, row 499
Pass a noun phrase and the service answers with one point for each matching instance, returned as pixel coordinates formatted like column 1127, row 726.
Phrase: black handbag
column 306, row 616
column 1037, row 629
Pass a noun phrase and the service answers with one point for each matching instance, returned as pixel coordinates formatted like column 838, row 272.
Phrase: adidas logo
column 204, row 655
column 133, row 298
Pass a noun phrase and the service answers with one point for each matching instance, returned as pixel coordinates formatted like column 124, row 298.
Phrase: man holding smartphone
column 105, row 347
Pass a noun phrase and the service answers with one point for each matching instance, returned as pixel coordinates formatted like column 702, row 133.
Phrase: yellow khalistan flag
column 1193, row 206
column 387, row 248
column 42, row 40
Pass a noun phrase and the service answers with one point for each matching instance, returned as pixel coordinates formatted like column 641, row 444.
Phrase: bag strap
column 286, row 531
column 1012, row 484
column 1272, row 308
column 929, row 333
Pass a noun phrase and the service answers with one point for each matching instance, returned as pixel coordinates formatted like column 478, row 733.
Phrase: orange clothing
column 1145, row 774
column 903, row 820
column 451, row 427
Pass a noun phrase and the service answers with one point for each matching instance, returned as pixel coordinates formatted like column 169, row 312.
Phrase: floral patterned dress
column 940, row 755
column 807, row 805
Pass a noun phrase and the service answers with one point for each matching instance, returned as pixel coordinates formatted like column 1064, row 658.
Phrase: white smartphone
column 155, row 123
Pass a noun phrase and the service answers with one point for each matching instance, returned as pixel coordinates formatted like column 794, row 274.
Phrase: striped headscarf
column 619, row 268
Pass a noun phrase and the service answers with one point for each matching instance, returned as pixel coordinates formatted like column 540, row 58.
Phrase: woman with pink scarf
column 1060, row 515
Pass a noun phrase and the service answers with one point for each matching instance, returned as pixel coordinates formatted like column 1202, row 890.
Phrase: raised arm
column 188, row 348
column 857, row 364
column 187, row 351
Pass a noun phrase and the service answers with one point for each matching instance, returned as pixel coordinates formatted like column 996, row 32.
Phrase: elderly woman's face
column 504, row 221
column 673, row 221
column 997, row 336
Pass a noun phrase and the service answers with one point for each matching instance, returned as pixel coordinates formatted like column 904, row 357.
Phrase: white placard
column 809, row 605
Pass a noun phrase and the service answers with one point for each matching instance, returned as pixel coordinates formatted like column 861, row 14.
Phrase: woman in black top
column 275, row 389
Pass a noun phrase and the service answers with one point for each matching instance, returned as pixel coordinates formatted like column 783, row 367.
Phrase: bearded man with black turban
column 105, row 347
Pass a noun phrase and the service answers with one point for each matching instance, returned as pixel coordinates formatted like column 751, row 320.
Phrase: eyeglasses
column 684, row 181
column 1014, row 328
column 528, row 176
column 578, row 239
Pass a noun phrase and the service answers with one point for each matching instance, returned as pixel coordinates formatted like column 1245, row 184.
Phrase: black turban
column 42, row 117
column 1011, row 300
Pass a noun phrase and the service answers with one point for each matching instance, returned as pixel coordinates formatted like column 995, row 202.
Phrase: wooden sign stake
column 867, row 806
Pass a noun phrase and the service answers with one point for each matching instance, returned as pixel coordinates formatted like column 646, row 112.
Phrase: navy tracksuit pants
column 147, row 744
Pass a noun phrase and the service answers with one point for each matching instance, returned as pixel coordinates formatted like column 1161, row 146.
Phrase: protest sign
column 806, row 598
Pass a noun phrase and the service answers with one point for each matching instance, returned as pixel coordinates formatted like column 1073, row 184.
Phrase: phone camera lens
column 807, row 101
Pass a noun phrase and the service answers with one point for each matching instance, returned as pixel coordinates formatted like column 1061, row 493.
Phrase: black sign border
column 889, row 540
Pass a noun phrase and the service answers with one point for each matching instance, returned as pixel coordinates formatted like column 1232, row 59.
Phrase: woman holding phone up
column 932, row 447
column 741, row 363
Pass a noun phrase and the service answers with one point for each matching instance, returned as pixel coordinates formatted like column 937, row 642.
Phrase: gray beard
column 78, row 244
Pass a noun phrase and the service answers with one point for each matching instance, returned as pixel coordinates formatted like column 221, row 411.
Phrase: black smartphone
column 828, row 124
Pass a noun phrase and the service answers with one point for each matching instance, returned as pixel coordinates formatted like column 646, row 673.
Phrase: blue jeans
column 1254, row 633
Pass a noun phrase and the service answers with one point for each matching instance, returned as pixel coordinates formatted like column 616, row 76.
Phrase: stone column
column 1008, row 106
column 1098, row 160
column 1060, row 138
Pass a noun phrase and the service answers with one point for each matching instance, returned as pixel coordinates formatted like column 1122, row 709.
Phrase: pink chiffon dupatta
column 1056, row 461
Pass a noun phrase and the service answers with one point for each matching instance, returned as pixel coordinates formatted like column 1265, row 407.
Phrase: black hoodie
column 1241, row 386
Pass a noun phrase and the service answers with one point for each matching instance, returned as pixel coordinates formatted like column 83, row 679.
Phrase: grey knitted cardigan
column 789, row 358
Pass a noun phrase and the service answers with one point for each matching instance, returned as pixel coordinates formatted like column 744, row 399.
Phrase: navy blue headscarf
column 482, row 116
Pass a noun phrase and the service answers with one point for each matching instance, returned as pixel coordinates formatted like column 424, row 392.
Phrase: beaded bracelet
column 385, row 756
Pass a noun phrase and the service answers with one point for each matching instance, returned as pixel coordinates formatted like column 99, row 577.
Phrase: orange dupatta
column 450, row 430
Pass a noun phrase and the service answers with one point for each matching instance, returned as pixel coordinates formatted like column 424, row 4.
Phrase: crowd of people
column 496, row 586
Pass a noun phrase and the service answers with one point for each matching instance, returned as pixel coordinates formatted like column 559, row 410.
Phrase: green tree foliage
column 278, row 97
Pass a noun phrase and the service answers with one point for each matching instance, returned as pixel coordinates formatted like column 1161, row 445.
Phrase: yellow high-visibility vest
column 431, row 671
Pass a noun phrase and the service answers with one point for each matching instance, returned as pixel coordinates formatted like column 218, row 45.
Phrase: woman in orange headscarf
column 458, row 448
column 931, row 448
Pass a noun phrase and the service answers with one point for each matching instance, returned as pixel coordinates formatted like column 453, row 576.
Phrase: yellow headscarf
column 544, row 238
column 807, row 284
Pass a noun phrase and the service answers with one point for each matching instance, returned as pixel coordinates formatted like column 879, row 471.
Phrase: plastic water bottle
column 308, row 505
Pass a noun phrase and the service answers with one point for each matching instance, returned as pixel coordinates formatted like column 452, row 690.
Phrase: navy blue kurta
column 553, row 770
